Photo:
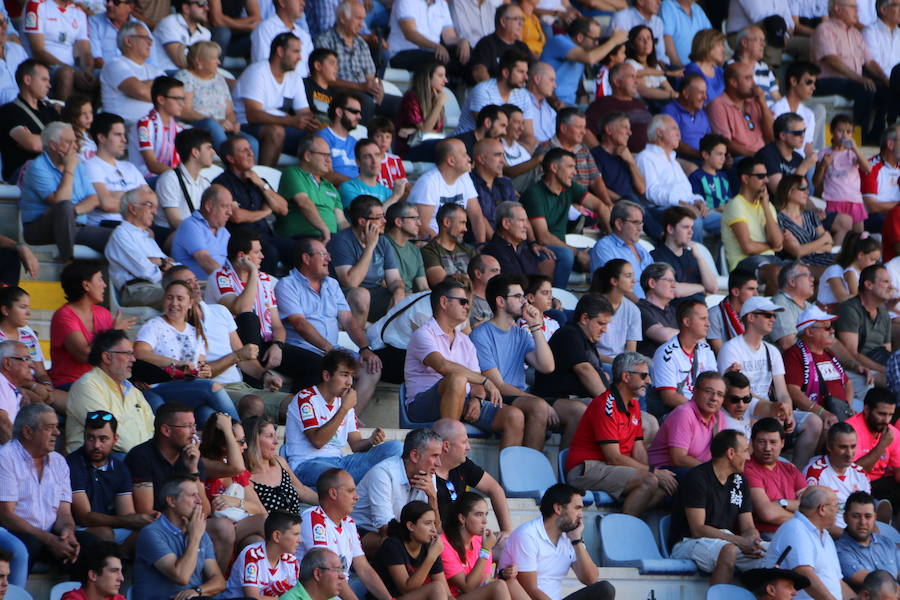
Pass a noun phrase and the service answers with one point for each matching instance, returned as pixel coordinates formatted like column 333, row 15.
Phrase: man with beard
column 344, row 112
column 712, row 522
column 506, row 87
column 878, row 448
column 860, row 549
column 545, row 548
column 504, row 349
column 101, row 484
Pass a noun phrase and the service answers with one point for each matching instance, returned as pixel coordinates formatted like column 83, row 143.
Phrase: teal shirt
column 298, row 592
column 352, row 188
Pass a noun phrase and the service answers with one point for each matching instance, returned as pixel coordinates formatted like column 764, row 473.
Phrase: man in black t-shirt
column 507, row 35
column 712, row 518
column 457, row 472
column 780, row 156
column 23, row 119
column 693, row 276
column 658, row 322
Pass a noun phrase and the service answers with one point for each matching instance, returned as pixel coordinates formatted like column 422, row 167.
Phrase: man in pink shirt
column 878, row 444
column 741, row 113
column 684, row 437
column 838, row 47
column 443, row 379
column 774, row 484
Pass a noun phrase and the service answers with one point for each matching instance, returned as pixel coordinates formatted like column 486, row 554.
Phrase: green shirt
column 409, row 258
column 323, row 194
column 298, row 592
column 541, row 203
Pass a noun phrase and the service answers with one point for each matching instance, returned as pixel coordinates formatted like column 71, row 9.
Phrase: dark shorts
column 757, row 261
column 426, row 408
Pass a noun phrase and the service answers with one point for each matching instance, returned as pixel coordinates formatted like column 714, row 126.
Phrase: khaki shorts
column 595, row 475
column 705, row 552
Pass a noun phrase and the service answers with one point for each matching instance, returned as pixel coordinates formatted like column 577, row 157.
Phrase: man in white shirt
column 177, row 32
column 742, row 13
column 286, row 17
column 799, row 85
column 423, row 30
column 136, row 262
column 883, row 39
column 812, row 550
column 448, row 181
column 110, row 177
column 644, row 12
column 881, row 185
column 393, row 483
column 667, row 185
column 270, row 102
column 57, row 33
column 507, row 88
column 544, row 549
column 329, row 526
column 125, row 80
column 321, row 422
column 180, row 189
column 761, row 362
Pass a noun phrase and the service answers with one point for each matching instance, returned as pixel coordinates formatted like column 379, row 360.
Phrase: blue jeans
column 565, row 258
column 18, row 567
column 198, row 395
column 219, row 136
column 711, row 224
column 357, row 463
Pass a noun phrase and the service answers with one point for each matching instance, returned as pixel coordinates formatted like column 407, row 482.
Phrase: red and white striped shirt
column 251, row 568
column 153, row 134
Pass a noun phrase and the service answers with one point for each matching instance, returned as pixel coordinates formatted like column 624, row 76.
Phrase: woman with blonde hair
column 707, row 57
column 275, row 484
column 207, row 97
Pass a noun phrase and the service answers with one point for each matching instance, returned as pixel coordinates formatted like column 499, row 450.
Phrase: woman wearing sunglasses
column 804, row 236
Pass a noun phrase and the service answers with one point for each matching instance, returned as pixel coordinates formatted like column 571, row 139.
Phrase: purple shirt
column 37, row 500
column 684, row 428
column 431, row 338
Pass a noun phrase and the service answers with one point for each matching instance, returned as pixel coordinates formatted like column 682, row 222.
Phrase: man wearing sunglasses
column 345, row 113
column 799, row 85
column 781, row 156
column 741, row 113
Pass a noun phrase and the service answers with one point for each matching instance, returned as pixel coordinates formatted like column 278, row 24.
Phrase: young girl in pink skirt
column 837, row 176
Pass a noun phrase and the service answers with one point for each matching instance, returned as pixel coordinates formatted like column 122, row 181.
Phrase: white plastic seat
column 212, row 171
column 451, row 112
column 647, row 244
column 579, row 240
column 273, row 176
column 360, row 132
column 568, row 299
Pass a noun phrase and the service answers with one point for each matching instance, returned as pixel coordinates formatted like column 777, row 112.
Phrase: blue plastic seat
column 627, row 541
column 14, row 592
column 525, row 472
column 665, row 523
column 599, row 498
column 407, row 423
column 56, row 593
column 726, row 591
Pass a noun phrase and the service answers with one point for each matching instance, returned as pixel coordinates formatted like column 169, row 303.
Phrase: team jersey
column 251, row 568
column 549, row 326
column 820, row 472
column 159, row 137
column 882, row 181
column 307, row 411
column 30, row 339
column 391, row 170
column 318, row 530
column 675, row 369
column 61, row 27
column 225, row 281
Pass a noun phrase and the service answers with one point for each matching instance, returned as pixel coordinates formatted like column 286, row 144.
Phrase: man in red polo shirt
column 878, row 444
column 608, row 453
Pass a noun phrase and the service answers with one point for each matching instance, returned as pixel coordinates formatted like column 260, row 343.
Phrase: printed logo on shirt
column 144, row 134
column 306, row 411
column 250, row 572
column 737, row 496
column 31, row 17
column 223, row 282
column 609, row 405
column 319, row 533
column 457, row 199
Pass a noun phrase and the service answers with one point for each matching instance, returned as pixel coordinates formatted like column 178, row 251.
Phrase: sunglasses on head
column 99, row 415
column 735, row 399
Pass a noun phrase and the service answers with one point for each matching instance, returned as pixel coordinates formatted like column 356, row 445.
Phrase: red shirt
column 866, row 440
column 890, row 234
column 80, row 595
column 834, row 379
column 65, row 369
column 392, row 169
column 604, row 423
column 783, row 481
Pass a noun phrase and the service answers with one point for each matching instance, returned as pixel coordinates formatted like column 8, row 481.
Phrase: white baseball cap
column 756, row 303
column 810, row 315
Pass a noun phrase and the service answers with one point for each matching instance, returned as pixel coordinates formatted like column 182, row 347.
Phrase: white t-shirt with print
column 167, row 341
column 820, row 472
column 257, row 83
column 753, row 363
column 674, row 369
column 119, row 177
column 60, row 26
column 114, row 72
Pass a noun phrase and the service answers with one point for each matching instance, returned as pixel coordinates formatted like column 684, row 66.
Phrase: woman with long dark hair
column 615, row 280
column 276, row 485
column 640, row 53
column 422, row 106
column 808, row 241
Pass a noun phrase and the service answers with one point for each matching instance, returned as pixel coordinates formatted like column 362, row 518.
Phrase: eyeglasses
column 462, row 301
column 192, row 426
column 745, row 399
column 334, row 569
column 21, row 358
column 318, row 253
column 759, row 176
column 642, row 374
column 669, row 279
column 354, row 111
column 201, row 4
column 320, row 153
column 797, row 132
column 118, row 2
column 414, row 218
column 766, row 315
column 125, row 352
column 516, row 19
column 241, row 442
column 634, row 221
column 146, row 38
column 176, row 98
column 99, row 415
column 750, row 124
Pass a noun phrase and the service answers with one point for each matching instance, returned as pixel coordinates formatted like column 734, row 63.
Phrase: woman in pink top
column 467, row 553
column 74, row 325
column 837, row 178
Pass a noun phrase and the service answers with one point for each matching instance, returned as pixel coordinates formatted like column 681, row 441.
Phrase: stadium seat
column 391, row 89
column 14, row 592
column 721, row 280
column 665, row 523
column 212, row 171
column 568, row 299
column 713, row 299
column 61, row 588
column 627, row 541
column 579, row 240
column 889, row 532
column 451, row 112
column 647, row 244
column 344, row 341
column 525, row 472
column 725, row 591
column 599, row 498
column 273, row 176
column 407, row 423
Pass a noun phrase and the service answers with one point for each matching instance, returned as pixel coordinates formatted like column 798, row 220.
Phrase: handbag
column 839, row 408
column 233, row 513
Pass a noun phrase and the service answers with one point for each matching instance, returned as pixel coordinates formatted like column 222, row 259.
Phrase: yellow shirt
column 533, row 35
column 738, row 210
column 95, row 390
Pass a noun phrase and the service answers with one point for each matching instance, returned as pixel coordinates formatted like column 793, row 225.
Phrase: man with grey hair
column 510, row 245
column 394, row 482
column 15, row 373
column 812, row 551
column 608, row 451
column 667, row 184
column 56, row 191
column 35, row 491
column 879, row 585
column 627, row 223
column 201, row 241
column 796, row 285
column 125, row 80
column 750, row 48
column 541, row 86
column 174, row 554
column 321, row 576
column 136, row 262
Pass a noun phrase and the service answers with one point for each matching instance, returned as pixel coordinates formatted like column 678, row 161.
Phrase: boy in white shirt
column 270, row 568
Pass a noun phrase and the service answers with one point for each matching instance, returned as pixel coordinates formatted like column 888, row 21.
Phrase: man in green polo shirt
column 547, row 203
column 314, row 207
column 321, row 577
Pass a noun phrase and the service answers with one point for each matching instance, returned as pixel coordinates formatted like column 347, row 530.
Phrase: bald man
column 492, row 187
column 741, row 113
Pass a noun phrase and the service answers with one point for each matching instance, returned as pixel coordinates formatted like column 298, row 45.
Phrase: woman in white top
column 840, row 281
column 641, row 54
column 172, row 348
column 614, row 280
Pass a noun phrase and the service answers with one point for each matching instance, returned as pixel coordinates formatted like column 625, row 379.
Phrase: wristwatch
column 578, row 541
column 783, row 503
column 198, row 590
